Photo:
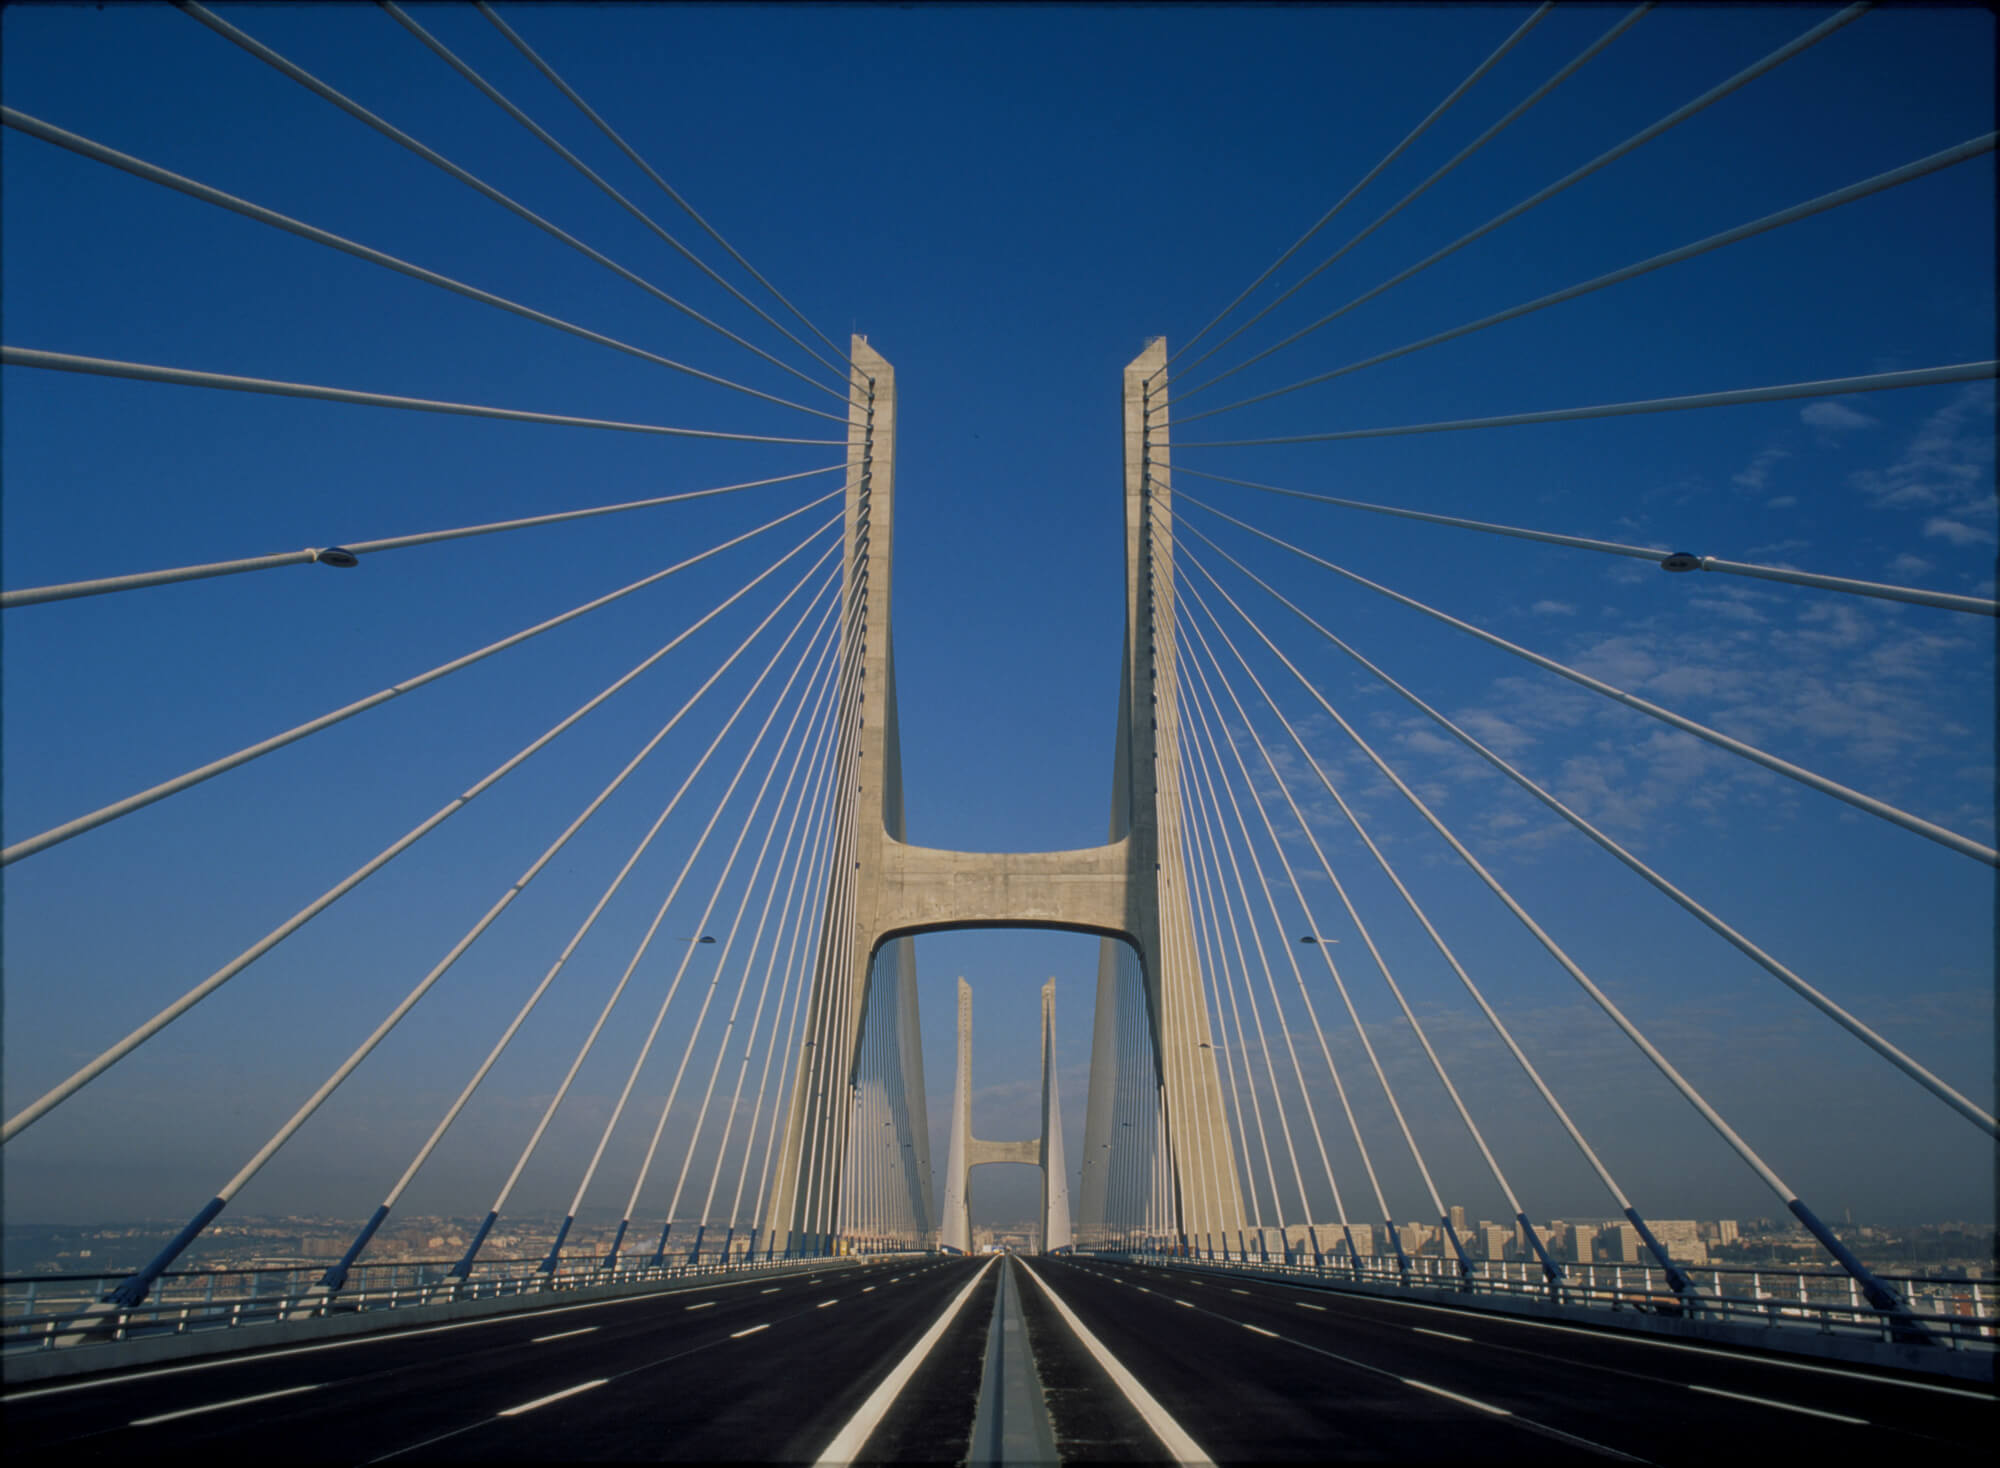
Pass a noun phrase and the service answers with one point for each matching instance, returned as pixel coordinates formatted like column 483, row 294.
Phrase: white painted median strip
column 290, row 1391
column 849, row 1441
column 1711, row 1391
column 1180, row 1447
column 562, row 1335
column 551, row 1397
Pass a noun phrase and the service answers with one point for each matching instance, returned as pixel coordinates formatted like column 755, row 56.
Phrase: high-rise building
column 1725, row 1231
column 1493, row 1241
column 1681, row 1238
column 1458, row 1218
column 1582, row 1242
column 1622, row 1246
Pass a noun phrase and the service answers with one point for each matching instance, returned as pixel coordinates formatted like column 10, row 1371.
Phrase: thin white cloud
column 1828, row 414
column 1947, row 464
column 1553, row 609
column 1782, row 502
column 1757, row 473
column 1908, row 565
column 1939, row 527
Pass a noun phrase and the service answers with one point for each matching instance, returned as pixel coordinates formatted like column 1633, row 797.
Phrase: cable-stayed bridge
column 605, row 939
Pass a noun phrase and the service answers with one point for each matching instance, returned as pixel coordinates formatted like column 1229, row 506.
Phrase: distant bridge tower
column 968, row 1152
column 1132, row 890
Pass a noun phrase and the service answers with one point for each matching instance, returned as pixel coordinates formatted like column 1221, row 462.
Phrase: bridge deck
column 771, row 1370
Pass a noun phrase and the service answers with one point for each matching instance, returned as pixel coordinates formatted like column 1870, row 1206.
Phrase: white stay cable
column 813, row 803
column 130, row 803
column 1437, row 938
column 798, row 974
column 1951, row 839
column 821, row 676
column 1190, row 956
column 1360, row 1030
column 275, row 387
column 110, row 1057
column 1847, row 1021
column 1340, row 888
column 1645, row 135
column 1492, row 60
column 520, row 1017
column 1630, row 19
column 604, row 1014
column 1972, row 148
column 1216, row 846
column 1206, row 924
column 345, row 555
column 680, row 971
column 1631, row 1031
column 430, row 155
column 1667, row 560
column 97, row 152
column 1298, row 1071
column 1729, row 398
column 584, row 107
column 402, row 1009
column 493, row 93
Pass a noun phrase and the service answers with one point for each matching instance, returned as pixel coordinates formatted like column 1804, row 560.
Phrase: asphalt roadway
column 777, row 1369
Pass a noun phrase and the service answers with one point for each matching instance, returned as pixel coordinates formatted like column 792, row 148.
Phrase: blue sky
column 1008, row 202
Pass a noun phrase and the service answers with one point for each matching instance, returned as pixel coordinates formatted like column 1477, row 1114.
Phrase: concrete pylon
column 968, row 1151
column 1130, row 891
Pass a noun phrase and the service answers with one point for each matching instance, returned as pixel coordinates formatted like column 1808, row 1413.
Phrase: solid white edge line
column 562, row 1335
column 1606, row 1334
column 389, row 1332
column 290, row 1391
column 551, row 1397
column 849, row 1441
column 1180, row 1447
column 1715, row 1391
column 1424, row 1386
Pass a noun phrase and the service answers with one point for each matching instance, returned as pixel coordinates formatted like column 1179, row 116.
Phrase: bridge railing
column 59, row 1311
column 1958, row 1313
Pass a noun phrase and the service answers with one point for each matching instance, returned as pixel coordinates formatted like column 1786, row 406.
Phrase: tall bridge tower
column 1131, row 891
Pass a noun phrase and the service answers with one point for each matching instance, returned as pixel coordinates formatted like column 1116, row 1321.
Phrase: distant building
column 1581, row 1243
column 1620, row 1242
column 1493, row 1240
column 1681, row 1238
column 1725, row 1231
column 1458, row 1218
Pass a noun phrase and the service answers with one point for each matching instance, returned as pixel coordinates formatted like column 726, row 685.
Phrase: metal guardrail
column 1958, row 1313
column 58, row 1312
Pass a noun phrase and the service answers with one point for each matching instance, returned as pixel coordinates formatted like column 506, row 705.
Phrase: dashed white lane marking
column 388, row 1335
column 290, row 1391
column 704, row 1305
column 1711, row 1391
column 1424, row 1386
column 868, row 1289
column 1239, row 1292
column 738, row 1335
column 1443, row 1335
column 1304, row 1306
column 1185, row 1304
column 848, row 1442
column 1173, row 1437
column 824, row 1303
column 562, row 1335
column 767, row 1292
column 551, row 1397
column 1261, row 1331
